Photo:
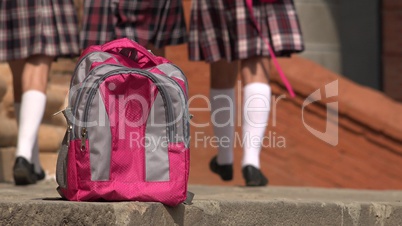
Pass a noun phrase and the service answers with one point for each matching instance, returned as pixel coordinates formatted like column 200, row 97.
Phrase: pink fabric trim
column 121, row 188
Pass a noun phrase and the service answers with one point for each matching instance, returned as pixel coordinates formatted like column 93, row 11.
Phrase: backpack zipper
column 82, row 59
column 183, row 95
column 185, row 79
column 171, row 129
column 186, row 114
column 74, row 106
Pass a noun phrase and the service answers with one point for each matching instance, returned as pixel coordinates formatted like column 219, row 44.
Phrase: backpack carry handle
column 131, row 49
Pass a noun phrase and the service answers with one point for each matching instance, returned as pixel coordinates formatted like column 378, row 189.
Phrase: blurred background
column 350, row 137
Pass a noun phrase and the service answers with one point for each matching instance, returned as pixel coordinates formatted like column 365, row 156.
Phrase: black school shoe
column 224, row 171
column 41, row 175
column 254, row 176
column 24, row 172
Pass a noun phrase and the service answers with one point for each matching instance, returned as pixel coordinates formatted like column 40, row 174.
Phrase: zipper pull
column 70, row 127
column 83, row 138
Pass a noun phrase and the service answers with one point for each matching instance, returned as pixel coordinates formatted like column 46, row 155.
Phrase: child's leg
column 222, row 99
column 30, row 81
column 223, row 105
column 256, row 106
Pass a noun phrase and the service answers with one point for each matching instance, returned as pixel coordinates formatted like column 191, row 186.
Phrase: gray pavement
column 213, row 205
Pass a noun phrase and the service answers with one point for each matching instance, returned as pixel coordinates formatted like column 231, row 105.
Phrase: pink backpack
column 128, row 128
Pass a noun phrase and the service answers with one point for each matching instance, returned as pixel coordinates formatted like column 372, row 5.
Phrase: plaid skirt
column 46, row 27
column 223, row 29
column 159, row 22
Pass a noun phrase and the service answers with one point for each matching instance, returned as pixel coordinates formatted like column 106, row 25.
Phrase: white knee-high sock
column 35, row 149
column 256, row 106
column 223, row 119
column 31, row 111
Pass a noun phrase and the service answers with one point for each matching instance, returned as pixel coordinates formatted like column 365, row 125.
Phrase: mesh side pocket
column 61, row 167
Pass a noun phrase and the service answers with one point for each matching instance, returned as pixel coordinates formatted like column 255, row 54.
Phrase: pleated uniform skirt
column 31, row 27
column 223, row 29
column 158, row 22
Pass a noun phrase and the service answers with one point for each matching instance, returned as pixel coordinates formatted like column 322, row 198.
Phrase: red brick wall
column 392, row 48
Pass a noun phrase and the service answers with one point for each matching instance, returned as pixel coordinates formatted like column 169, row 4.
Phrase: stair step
column 7, row 157
column 48, row 161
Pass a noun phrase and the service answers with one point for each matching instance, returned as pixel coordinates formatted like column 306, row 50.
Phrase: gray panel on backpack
column 156, row 143
column 100, row 139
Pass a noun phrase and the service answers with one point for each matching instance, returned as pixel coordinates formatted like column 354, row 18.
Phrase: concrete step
column 8, row 131
column 40, row 205
column 7, row 157
column 50, row 136
column 56, row 100
column 48, row 161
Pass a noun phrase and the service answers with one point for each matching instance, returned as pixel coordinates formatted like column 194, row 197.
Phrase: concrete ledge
column 40, row 205
column 7, row 158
